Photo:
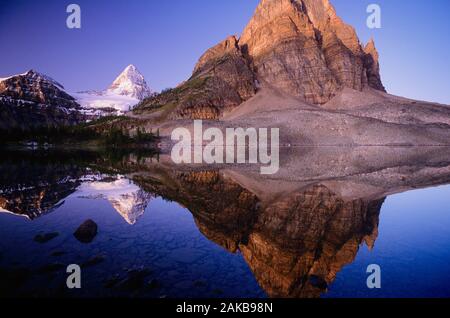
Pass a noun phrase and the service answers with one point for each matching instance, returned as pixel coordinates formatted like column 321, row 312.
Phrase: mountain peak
column 32, row 99
column 130, row 83
column 33, row 79
column 131, row 67
column 370, row 46
column 305, row 49
column 31, row 72
column 39, row 77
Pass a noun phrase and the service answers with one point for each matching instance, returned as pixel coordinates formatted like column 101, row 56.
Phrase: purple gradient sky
column 164, row 39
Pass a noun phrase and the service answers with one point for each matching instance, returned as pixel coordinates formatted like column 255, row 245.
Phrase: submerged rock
column 97, row 259
column 86, row 232
column 44, row 238
column 133, row 280
column 58, row 253
column 112, row 281
column 154, row 284
column 50, row 268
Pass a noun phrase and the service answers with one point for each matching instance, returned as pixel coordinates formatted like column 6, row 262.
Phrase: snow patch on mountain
column 7, row 78
column 103, row 103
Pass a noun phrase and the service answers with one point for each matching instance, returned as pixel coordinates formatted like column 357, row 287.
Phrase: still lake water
column 211, row 233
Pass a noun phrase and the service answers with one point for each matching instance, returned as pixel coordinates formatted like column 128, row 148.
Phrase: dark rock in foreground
column 86, row 232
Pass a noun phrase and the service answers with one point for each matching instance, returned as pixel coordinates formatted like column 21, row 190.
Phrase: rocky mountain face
column 372, row 66
column 299, row 46
column 33, row 99
column 305, row 49
column 130, row 83
column 222, row 80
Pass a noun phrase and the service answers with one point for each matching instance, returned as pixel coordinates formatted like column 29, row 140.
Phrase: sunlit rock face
column 125, row 197
column 226, row 61
column 222, row 80
column 305, row 49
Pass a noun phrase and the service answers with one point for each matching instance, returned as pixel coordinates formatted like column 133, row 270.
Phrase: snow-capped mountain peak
column 127, row 90
column 130, row 83
column 39, row 77
column 35, row 77
column 32, row 99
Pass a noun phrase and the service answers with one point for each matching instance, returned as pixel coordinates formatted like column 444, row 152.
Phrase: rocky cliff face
column 222, row 80
column 33, row 99
column 226, row 62
column 299, row 46
column 372, row 66
column 305, row 49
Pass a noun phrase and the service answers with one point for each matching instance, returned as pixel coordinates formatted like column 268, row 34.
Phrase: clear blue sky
column 164, row 39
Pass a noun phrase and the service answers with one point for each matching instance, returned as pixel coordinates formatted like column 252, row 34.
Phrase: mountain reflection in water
column 295, row 230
